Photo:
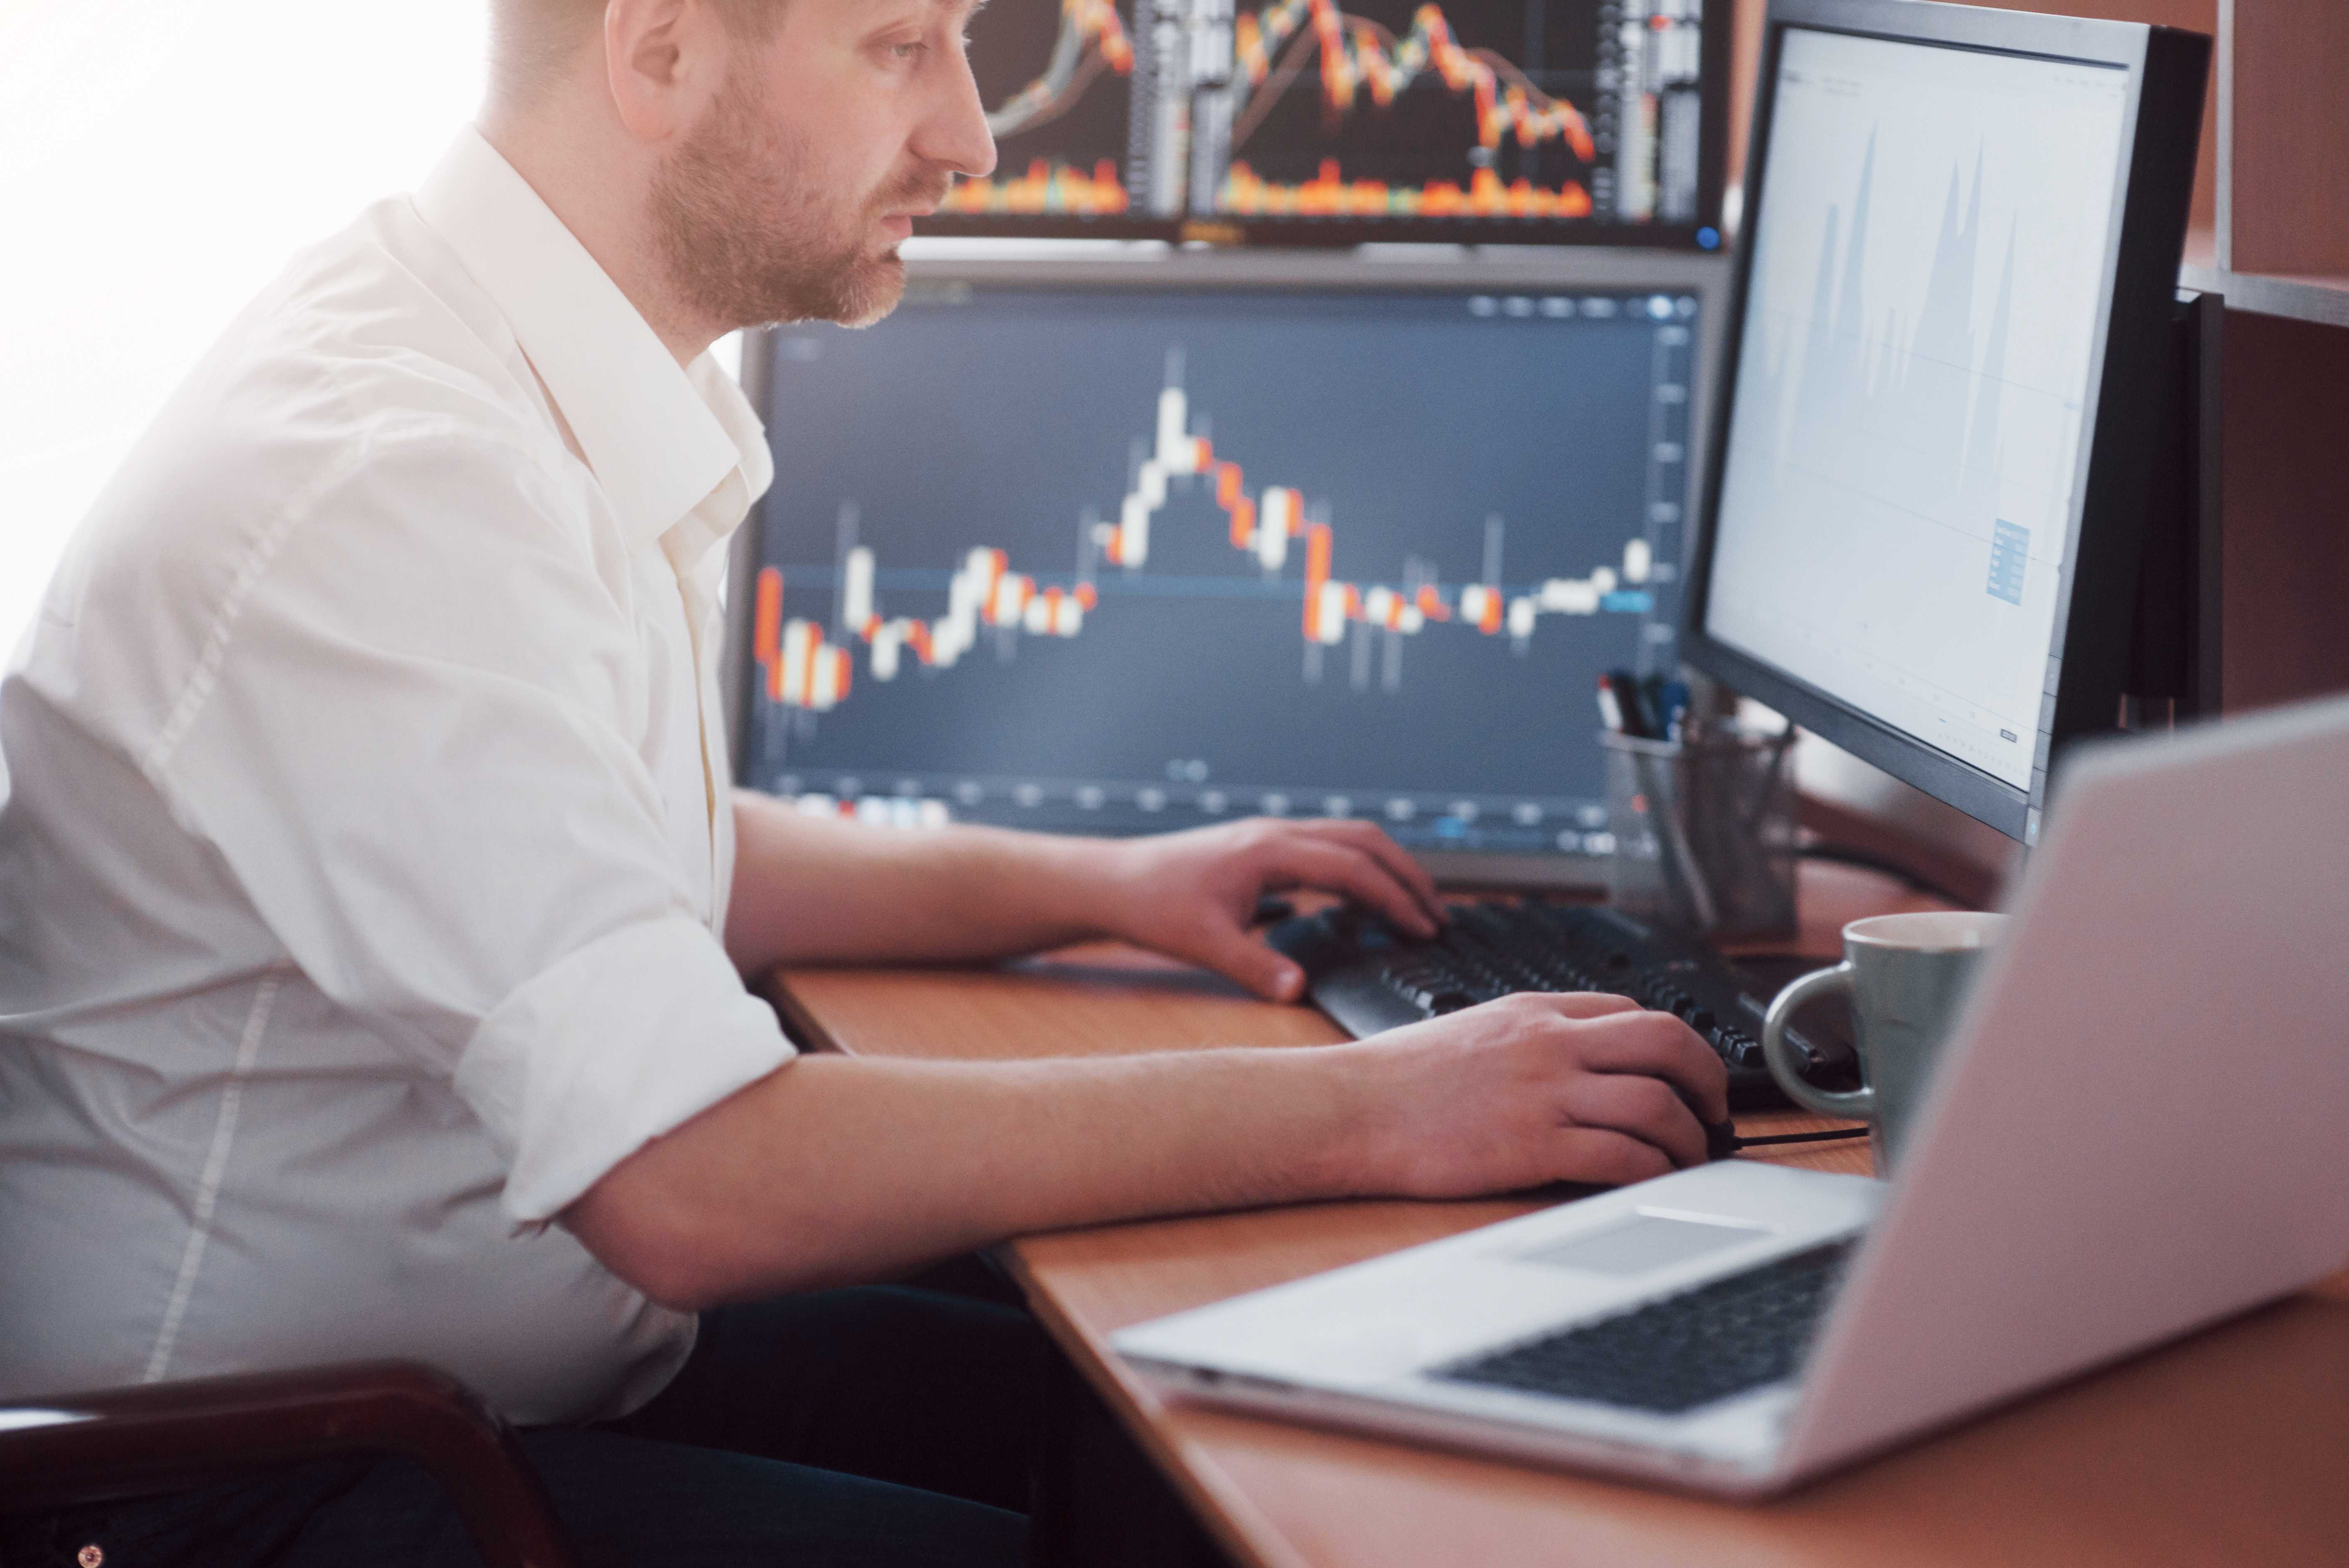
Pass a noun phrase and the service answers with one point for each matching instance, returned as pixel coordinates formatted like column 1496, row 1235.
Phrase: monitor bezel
column 1112, row 268
column 1700, row 234
column 2166, row 71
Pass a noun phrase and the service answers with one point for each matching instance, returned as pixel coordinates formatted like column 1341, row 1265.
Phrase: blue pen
column 1675, row 706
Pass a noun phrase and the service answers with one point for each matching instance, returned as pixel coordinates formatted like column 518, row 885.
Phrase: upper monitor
column 1112, row 548
column 1963, row 229
column 1295, row 122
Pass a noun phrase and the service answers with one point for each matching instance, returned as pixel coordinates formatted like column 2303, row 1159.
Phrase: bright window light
column 159, row 161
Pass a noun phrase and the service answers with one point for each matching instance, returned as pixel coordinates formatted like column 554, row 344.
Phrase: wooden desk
column 2231, row 1448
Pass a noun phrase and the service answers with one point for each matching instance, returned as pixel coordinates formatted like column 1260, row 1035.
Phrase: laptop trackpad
column 1637, row 1243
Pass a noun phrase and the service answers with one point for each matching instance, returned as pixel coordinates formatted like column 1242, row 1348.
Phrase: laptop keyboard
column 1683, row 1351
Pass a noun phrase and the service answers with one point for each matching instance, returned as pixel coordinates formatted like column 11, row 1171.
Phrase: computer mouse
column 1720, row 1139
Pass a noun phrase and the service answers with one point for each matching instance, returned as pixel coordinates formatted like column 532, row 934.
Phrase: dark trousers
column 873, row 1428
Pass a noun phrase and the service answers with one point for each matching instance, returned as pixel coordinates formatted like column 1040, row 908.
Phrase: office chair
column 122, row 1442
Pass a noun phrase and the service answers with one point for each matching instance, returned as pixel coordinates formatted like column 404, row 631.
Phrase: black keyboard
column 1682, row 1352
column 1369, row 977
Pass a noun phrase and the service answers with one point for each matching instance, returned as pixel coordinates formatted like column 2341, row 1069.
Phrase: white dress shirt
column 364, row 833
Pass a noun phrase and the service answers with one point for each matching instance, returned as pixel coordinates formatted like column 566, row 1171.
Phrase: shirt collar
column 662, row 438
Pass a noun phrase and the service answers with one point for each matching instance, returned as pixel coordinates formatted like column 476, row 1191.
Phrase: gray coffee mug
column 1907, row 976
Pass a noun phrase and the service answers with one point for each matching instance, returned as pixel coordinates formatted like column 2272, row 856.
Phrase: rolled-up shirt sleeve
column 416, row 739
column 614, row 1044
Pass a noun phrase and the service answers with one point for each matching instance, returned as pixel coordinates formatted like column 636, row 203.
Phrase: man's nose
column 955, row 133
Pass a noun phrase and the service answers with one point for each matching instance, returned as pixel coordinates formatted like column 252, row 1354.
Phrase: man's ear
column 663, row 61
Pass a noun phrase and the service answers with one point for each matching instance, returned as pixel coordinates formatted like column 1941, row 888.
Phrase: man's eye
column 913, row 51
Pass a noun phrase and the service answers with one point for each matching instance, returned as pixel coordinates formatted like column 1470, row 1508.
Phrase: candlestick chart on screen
column 1362, row 111
column 1054, row 76
column 799, row 668
column 1257, row 542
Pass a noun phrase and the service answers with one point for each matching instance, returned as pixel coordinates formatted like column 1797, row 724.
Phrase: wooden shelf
column 2283, row 144
column 2324, row 300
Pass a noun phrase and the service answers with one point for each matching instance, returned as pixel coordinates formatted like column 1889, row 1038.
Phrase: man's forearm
column 836, row 1168
column 813, row 890
column 821, row 890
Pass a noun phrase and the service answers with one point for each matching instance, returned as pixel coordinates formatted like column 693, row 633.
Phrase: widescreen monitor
column 1944, row 383
column 1313, row 122
column 1117, row 548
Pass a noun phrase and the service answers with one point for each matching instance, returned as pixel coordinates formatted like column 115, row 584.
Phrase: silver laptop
column 2136, row 1131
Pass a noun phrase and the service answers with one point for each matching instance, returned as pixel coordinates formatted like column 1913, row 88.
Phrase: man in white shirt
column 375, row 908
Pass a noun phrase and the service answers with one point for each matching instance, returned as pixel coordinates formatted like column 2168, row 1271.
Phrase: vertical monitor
column 1317, row 121
column 1133, row 555
column 1893, row 550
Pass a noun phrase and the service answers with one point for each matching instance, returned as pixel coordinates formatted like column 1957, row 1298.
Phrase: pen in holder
column 1704, row 830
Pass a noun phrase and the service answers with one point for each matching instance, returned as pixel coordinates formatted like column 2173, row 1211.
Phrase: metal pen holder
column 1704, row 830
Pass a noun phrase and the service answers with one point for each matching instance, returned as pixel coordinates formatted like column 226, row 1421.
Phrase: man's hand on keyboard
column 1190, row 895
column 1534, row 1089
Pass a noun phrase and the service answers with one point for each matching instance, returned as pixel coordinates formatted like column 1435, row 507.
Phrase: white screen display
column 1904, row 465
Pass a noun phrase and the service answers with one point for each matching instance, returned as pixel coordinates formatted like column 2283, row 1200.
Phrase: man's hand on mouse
column 1534, row 1089
column 1521, row 1091
column 1191, row 895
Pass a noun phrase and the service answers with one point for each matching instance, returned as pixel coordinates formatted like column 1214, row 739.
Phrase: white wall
column 159, row 159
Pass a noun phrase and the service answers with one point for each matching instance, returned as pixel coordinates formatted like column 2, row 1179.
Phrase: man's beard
column 746, row 241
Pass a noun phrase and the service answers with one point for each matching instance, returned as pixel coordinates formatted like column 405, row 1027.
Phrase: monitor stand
column 2174, row 645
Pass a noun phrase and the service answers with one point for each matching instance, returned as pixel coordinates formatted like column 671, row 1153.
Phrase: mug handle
column 1860, row 1104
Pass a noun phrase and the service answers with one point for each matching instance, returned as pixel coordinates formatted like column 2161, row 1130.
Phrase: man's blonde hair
column 534, row 42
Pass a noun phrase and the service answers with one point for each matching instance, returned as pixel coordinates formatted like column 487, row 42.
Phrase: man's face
column 787, row 201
